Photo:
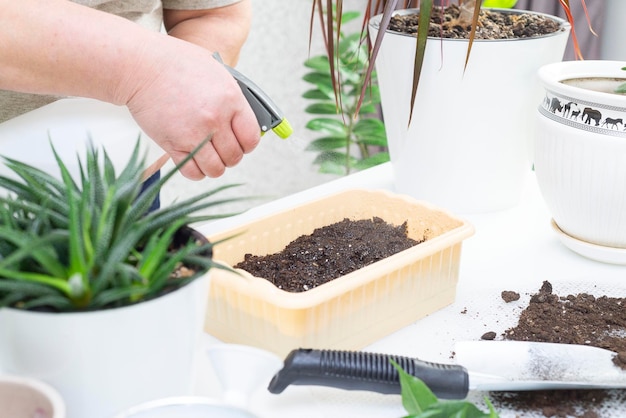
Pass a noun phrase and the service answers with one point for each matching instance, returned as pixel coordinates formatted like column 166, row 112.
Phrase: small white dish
column 610, row 255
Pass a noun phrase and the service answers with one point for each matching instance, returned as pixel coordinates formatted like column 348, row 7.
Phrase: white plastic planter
column 580, row 158
column 103, row 362
column 467, row 146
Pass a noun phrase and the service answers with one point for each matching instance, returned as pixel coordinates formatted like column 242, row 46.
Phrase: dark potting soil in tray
column 328, row 253
column 582, row 318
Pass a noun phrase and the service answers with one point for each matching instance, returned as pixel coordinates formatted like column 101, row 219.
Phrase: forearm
column 224, row 29
column 59, row 47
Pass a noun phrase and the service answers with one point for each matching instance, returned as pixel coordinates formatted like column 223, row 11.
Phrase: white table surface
column 515, row 249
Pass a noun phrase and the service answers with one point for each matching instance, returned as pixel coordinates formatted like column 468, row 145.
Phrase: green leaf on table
column 420, row 402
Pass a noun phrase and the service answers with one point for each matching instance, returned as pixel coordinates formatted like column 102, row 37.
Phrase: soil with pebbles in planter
column 328, row 253
column 571, row 319
column 492, row 24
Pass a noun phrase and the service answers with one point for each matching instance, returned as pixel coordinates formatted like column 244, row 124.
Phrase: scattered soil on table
column 328, row 253
column 492, row 24
column 572, row 319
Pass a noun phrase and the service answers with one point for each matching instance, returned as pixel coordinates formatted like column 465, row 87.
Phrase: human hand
column 180, row 95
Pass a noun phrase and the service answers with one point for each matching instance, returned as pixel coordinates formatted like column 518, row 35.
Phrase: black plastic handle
column 357, row 370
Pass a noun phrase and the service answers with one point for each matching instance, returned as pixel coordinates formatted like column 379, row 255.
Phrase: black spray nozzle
column 267, row 113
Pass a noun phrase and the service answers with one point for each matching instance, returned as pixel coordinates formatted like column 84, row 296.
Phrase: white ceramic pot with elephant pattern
column 580, row 155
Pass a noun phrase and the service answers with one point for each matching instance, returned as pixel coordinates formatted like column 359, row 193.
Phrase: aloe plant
column 326, row 13
column 90, row 243
column 348, row 135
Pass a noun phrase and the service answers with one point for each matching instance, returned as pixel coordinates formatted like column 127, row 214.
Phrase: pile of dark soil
column 572, row 319
column 492, row 24
column 328, row 253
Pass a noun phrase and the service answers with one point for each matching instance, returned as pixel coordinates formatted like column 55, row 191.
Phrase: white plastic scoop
column 516, row 365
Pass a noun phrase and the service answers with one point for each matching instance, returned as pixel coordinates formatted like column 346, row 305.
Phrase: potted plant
column 460, row 140
column 99, row 298
column 580, row 151
column 347, row 142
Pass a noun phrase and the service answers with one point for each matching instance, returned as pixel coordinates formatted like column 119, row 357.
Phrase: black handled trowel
column 482, row 366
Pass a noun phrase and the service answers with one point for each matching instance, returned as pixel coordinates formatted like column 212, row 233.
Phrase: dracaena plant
column 326, row 12
column 90, row 243
column 347, row 142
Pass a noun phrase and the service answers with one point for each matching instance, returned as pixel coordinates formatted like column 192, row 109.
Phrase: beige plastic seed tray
column 349, row 312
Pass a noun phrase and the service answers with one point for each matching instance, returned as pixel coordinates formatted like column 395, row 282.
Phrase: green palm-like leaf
column 374, row 160
column 319, row 63
column 322, row 108
column 317, row 94
column 318, row 79
column 327, row 143
column 327, row 125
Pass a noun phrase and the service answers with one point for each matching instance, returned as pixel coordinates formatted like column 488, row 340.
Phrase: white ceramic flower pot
column 467, row 146
column 580, row 158
column 104, row 362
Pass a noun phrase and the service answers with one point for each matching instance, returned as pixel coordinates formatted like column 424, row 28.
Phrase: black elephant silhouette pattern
column 590, row 116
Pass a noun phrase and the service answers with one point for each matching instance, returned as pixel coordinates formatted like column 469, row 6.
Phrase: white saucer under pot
column 580, row 152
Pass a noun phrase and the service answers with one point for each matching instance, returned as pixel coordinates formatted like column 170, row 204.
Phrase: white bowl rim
column 178, row 401
column 551, row 76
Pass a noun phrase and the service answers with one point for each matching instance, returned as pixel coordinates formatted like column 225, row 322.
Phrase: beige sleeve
column 196, row 4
